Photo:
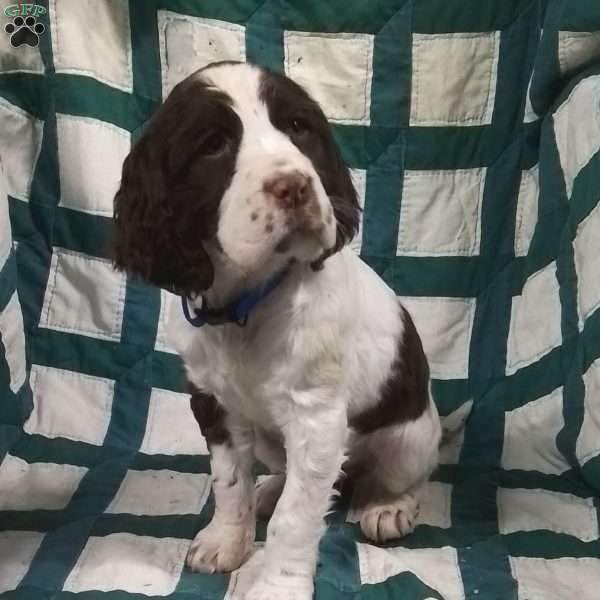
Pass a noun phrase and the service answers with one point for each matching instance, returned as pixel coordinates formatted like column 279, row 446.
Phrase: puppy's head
column 238, row 162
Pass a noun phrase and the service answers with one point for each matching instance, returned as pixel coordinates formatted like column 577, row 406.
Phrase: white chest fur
column 336, row 329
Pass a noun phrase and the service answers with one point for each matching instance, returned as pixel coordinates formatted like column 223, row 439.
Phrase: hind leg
column 271, row 453
column 392, row 464
column 268, row 492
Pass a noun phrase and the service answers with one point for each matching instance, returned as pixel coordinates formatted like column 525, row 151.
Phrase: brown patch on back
column 210, row 416
column 254, row 216
column 405, row 395
column 269, row 227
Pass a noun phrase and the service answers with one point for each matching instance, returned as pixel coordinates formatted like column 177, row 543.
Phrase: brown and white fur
column 236, row 177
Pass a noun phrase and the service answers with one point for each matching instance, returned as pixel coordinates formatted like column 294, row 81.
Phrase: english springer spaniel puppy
column 298, row 355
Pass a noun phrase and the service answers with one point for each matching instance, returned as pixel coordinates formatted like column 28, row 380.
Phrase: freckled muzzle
column 293, row 194
column 290, row 190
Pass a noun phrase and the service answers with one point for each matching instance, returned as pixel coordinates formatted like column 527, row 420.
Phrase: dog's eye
column 299, row 126
column 214, row 144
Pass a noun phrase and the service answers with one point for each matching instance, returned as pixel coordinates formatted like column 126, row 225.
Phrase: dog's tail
column 454, row 423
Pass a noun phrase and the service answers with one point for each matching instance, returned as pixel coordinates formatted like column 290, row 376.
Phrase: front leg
column 315, row 441
column 228, row 539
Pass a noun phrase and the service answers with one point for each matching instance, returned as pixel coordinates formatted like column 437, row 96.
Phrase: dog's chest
column 247, row 375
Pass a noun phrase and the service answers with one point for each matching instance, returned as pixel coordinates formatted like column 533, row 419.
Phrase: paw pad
column 24, row 31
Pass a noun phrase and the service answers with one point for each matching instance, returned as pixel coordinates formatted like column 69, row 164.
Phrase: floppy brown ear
column 345, row 204
column 344, row 200
column 151, row 237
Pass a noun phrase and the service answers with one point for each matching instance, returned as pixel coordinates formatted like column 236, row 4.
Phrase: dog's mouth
column 303, row 233
column 308, row 226
column 300, row 237
column 285, row 244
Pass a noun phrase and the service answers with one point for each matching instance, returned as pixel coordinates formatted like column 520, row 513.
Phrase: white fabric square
column 359, row 178
column 379, row 564
column 445, row 326
column 180, row 493
column 131, row 563
column 588, row 445
column 32, row 486
column 435, row 505
column 91, row 155
column 527, row 210
column 171, row 427
column 556, row 578
column 162, row 342
column 531, row 510
column 12, row 334
column 20, row 143
column 189, row 43
column 577, row 138
column 61, row 397
column 454, row 78
column 534, row 320
column 530, row 436
column 93, row 38
column 24, row 59
column 587, row 265
column 74, row 301
column 440, row 214
column 575, row 48
column 17, row 549
column 336, row 69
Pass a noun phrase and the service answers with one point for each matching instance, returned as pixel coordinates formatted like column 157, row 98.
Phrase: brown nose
column 290, row 190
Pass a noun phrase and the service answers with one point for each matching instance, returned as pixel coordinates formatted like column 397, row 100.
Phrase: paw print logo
column 24, row 31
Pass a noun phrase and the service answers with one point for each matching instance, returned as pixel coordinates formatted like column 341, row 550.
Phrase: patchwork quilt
column 473, row 132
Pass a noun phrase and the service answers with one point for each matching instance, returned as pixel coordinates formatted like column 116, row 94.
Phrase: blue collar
column 237, row 312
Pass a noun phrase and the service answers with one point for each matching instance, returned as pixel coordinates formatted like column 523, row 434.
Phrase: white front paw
column 220, row 547
column 281, row 588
